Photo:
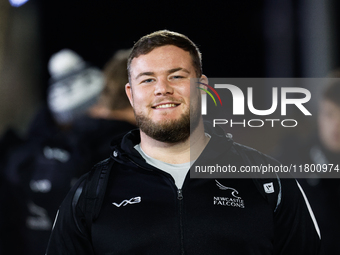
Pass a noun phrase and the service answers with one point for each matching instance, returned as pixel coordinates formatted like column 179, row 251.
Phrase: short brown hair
column 162, row 38
column 113, row 95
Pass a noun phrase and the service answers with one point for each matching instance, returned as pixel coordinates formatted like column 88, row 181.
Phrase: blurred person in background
column 112, row 114
column 86, row 109
column 45, row 165
column 322, row 148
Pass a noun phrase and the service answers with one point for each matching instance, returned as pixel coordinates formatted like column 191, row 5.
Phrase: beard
column 170, row 131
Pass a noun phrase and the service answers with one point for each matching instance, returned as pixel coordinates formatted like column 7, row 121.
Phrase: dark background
column 229, row 33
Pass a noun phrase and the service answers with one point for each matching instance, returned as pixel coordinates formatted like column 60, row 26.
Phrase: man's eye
column 147, row 81
column 177, row 77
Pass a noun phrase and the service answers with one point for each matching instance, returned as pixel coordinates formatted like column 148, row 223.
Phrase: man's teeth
column 165, row 106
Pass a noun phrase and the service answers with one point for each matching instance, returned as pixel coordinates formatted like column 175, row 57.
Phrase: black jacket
column 143, row 212
column 44, row 168
column 323, row 192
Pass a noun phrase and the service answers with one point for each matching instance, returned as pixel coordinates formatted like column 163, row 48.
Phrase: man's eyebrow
column 144, row 73
column 177, row 69
column 169, row 72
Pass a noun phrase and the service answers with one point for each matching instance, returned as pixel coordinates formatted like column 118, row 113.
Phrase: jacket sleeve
column 69, row 234
column 295, row 228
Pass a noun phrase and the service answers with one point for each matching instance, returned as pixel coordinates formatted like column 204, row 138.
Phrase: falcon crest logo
column 234, row 201
column 222, row 187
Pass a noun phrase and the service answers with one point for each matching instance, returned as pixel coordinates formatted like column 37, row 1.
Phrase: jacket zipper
column 179, row 194
column 180, row 198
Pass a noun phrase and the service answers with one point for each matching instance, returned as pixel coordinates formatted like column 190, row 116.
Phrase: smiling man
column 142, row 200
column 159, row 91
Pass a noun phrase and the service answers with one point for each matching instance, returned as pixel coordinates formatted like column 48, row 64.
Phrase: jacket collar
column 123, row 147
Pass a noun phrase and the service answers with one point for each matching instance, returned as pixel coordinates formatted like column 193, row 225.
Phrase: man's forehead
column 161, row 58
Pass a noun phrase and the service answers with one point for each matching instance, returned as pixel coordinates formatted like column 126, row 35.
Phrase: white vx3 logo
column 131, row 201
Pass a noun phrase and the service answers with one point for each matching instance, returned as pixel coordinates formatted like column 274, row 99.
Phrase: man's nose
column 163, row 87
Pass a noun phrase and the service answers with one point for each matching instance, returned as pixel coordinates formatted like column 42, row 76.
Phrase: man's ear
column 203, row 80
column 128, row 91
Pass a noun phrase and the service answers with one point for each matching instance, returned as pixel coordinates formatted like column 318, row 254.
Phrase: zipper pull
column 179, row 194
